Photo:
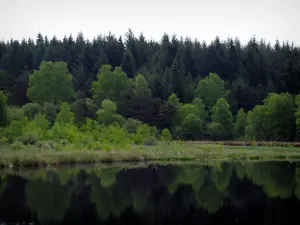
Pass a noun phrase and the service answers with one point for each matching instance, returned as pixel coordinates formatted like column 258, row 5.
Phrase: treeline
column 184, row 88
column 172, row 65
column 120, row 105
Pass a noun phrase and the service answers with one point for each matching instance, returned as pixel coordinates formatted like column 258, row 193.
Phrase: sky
column 204, row 20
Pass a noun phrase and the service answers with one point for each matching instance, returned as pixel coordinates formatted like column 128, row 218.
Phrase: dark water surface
column 226, row 193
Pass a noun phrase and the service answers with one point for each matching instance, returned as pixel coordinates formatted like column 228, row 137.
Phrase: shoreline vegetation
column 147, row 106
column 174, row 152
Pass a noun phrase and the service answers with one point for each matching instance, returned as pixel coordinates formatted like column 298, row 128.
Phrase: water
column 226, row 193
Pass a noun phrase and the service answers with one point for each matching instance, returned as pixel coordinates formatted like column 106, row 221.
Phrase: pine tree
column 128, row 64
column 177, row 77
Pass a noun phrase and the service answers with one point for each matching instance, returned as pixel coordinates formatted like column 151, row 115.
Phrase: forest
column 82, row 91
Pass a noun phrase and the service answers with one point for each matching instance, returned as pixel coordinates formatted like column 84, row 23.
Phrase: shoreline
column 32, row 156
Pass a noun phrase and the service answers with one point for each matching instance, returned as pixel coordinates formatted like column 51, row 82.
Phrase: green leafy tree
column 166, row 135
column 198, row 103
column 131, row 125
column 3, row 109
column 109, row 106
column 106, row 115
column 240, row 123
column 256, row 120
column 145, row 135
column 192, row 127
column 109, row 84
column 210, row 89
column 297, row 115
column 221, row 114
column 65, row 116
column 51, row 83
column 216, row 130
column 174, row 101
column 280, row 114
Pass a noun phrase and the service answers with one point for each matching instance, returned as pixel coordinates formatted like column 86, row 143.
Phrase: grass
column 34, row 156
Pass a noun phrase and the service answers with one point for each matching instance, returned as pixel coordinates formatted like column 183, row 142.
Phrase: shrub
column 131, row 125
column 165, row 135
column 29, row 138
column 14, row 114
column 17, row 146
column 145, row 135
column 31, row 109
column 177, row 132
column 50, row 110
column 192, row 127
column 216, row 130
column 108, row 118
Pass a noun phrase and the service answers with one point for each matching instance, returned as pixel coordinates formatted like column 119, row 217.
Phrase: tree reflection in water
column 153, row 194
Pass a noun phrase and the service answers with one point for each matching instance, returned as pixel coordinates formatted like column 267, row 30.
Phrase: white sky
column 204, row 20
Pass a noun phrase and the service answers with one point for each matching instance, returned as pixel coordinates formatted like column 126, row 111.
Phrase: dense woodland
column 222, row 90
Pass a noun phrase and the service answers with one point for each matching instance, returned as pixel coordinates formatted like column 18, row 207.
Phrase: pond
column 218, row 193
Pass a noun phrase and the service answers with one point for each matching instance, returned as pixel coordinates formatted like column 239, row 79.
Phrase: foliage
column 3, row 109
column 131, row 125
column 240, row 123
column 274, row 120
column 166, row 135
column 14, row 113
column 109, row 106
column 216, row 131
column 29, row 138
column 17, row 146
column 145, row 135
column 297, row 115
column 107, row 115
column 50, row 111
column 192, row 127
column 31, row 109
column 221, row 114
column 65, row 116
column 109, row 84
column 210, row 89
column 146, row 80
column 51, row 83
column 174, row 101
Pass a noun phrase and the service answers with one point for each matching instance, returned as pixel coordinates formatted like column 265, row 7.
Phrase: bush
column 14, row 114
column 192, row 127
column 131, row 125
column 165, row 135
column 50, row 110
column 29, row 138
column 17, row 146
column 216, row 131
column 108, row 118
column 145, row 135
column 31, row 109
column 177, row 132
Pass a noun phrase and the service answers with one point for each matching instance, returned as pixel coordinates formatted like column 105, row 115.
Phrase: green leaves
column 51, row 83
column 3, row 109
column 65, row 116
column 222, row 116
column 274, row 119
column 109, row 84
column 240, row 124
column 210, row 89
